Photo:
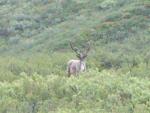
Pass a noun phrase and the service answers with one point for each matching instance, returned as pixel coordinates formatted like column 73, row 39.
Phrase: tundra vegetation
column 34, row 50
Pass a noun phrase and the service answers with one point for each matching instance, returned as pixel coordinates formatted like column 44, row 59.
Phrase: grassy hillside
column 47, row 25
column 34, row 49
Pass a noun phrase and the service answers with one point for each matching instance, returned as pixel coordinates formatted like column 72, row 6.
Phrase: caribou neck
column 81, row 62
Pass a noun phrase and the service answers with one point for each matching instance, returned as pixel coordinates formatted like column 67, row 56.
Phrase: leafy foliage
column 93, row 92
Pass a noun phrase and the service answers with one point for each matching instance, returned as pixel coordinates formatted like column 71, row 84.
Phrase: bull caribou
column 75, row 66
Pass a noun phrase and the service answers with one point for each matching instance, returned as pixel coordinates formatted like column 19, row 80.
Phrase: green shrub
column 100, row 91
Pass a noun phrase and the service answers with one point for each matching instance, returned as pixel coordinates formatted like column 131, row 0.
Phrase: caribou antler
column 75, row 49
column 87, row 49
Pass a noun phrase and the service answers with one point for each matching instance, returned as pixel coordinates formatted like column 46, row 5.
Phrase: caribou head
column 77, row 65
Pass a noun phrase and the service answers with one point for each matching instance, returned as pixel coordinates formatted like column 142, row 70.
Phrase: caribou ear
column 79, row 56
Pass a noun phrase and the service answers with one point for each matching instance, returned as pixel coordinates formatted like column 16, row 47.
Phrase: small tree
column 131, row 63
column 146, row 59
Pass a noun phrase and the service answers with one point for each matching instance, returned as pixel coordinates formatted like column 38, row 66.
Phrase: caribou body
column 74, row 67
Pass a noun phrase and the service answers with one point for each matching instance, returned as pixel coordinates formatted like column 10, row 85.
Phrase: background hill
column 34, row 49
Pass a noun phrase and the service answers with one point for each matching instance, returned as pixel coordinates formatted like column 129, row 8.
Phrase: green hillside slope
column 41, row 29
column 48, row 25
